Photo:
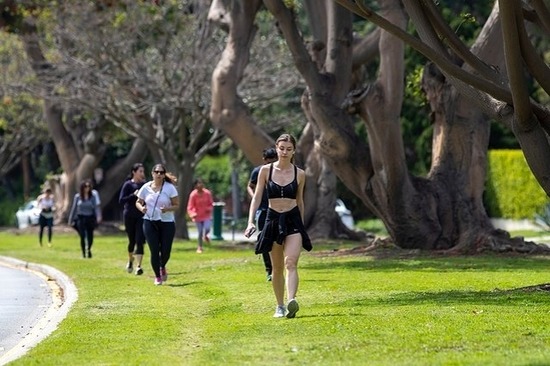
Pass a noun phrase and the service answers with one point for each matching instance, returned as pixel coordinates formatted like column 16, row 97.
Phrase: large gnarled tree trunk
column 230, row 114
column 441, row 211
column 78, row 144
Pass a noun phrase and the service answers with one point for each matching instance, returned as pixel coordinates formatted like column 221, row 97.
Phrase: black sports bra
column 276, row 191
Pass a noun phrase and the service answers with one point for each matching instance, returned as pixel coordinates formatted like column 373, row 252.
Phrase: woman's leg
column 166, row 239
column 206, row 228
column 292, row 248
column 50, row 225
column 140, row 240
column 278, row 278
column 42, row 223
column 200, row 233
column 90, row 235
column 82, row 233
column 130, row 227
column 40, row 233
column 153, row 240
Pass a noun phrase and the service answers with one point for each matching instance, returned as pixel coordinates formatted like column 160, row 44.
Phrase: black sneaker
column 292, row 308
column 129, row 267
column 139, row 271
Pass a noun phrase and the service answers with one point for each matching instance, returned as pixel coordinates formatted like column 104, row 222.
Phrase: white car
column 28, row 214
column 344, row 213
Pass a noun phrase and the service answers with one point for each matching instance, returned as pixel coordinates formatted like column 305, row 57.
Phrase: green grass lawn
column 216, row 308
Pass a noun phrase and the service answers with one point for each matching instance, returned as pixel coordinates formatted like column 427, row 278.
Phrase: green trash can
column 217, row 221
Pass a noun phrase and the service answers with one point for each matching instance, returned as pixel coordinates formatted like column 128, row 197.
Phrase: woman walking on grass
column 157, row 200
column 133, row 218
column 283, row 234
column 86, row 212
column 46, row 204
column 199, row 209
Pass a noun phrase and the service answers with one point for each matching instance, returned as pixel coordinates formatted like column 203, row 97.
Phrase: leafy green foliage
column 215, row 171
column 511, row 190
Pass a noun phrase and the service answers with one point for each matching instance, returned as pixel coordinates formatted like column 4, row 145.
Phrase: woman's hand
column 250, row 229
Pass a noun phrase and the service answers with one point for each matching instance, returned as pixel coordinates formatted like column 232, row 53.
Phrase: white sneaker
column 293, row 308
column 279, row 311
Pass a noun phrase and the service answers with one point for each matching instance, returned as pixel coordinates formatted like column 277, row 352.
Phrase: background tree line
column 401, row 99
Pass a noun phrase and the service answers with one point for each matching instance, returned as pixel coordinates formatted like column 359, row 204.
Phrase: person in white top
column 46, row 203
column 158, row 200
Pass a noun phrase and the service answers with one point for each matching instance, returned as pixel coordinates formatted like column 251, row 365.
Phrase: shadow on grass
column 533, row 295
column 439, row 264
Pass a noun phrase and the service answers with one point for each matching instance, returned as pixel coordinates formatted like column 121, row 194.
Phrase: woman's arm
column 126, row 193
column 72, row 214
column 174, row 204
column 256, row 200
column 191, row 210
column 300, row 193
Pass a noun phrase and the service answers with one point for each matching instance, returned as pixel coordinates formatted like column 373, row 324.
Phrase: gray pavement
column 34, row 300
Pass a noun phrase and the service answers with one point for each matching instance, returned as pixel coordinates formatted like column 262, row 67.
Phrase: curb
column 64, row 294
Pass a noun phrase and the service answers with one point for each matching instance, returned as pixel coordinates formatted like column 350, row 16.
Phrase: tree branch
column 302, row 58
column 510, row 11
column 447, row 34
column 339, row 47
column 366, row 48
column 543, row 14
column 538, row 68
column 497, row 91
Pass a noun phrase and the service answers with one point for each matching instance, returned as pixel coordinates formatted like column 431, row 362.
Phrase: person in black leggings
column 46, row 203
column 269, row 156
column 133, row 218
column 86, row 211
column 157, row 200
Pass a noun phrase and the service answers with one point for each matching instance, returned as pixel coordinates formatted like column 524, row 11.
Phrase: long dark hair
column 134, row 169
column 83, row 184
column 168, row 176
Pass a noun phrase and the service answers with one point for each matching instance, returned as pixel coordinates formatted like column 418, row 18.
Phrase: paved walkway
column 236, row 235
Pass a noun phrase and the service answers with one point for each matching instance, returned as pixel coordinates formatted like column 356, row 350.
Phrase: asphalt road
column 33, row 300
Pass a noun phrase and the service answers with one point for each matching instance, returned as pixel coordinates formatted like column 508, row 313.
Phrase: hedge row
column 511, row 190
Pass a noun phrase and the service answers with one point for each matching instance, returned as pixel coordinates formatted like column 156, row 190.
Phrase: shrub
column 511, row 190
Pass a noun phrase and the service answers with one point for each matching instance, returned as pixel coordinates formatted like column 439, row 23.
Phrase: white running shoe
column 279, row 311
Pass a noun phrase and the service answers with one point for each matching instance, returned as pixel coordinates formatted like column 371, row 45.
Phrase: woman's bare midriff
column 282, row 204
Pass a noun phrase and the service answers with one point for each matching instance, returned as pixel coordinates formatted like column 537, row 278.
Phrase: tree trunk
column 78, row 158
column 230, row 114
column 26, row 170
column 441, row 211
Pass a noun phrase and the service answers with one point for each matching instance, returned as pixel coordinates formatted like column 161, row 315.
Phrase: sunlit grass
column 216, row 308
